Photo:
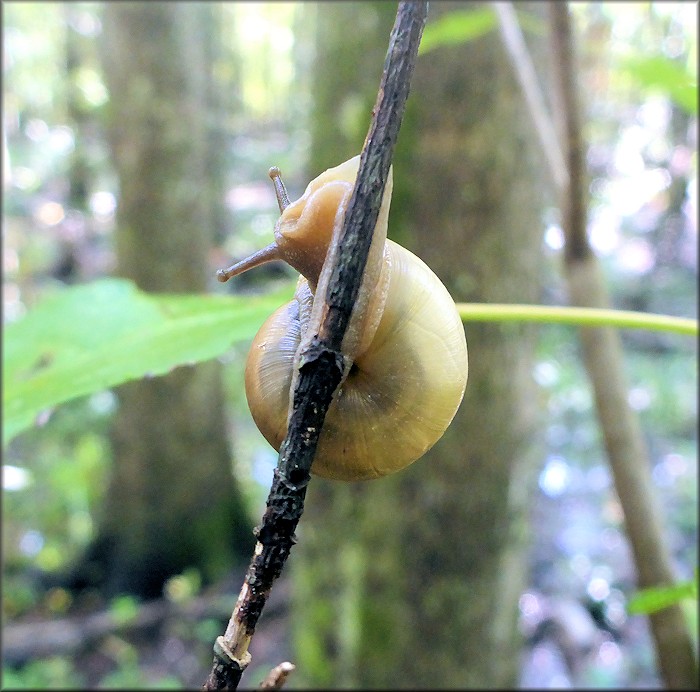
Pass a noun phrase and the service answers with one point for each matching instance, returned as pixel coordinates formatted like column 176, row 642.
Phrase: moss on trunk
column 413, row 580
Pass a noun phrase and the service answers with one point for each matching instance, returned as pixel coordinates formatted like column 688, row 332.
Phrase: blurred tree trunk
column 172, row 502
column 216, row 110
column 81, row 116
column 413, row 580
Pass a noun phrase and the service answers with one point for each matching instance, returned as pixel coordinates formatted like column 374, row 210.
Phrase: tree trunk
column 413, row 580
column 172, row 502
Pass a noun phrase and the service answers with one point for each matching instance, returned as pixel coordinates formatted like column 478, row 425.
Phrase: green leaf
column 656, row 598
column 457, row 27
column 124, row 609
column 662, row 74
column 461, row 26
column 91, row 337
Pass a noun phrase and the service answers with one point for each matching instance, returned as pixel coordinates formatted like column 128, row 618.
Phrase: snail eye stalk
column 280, row 189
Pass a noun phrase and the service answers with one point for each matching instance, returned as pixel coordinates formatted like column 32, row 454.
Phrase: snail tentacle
column 280, row 189
column 270, row 253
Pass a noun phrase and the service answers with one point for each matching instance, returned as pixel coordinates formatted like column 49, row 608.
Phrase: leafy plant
column 457, row 27
column 54, row 672
column 88, row 338
column 658, row 73
column 462, row 26
column 656, row 598
column 654, row 73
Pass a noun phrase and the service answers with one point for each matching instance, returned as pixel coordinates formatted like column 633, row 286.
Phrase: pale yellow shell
column 409, row 351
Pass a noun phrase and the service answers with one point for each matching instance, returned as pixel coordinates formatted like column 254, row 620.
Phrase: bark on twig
column 276, row 678
column 602, row 356
column 322, row 364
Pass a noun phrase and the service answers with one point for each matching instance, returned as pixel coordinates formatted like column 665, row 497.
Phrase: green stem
column 583, row 317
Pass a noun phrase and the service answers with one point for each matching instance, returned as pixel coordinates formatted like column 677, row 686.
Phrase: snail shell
column 405, row 343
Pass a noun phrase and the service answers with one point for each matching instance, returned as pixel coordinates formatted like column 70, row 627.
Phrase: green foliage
column 658, row 73
column 124, row 609
column 183, row 587
column 32, row 36
column 54, row 507
column 43, row 674
column 130, row 673
column 91, row 337
column 95, row 336
column 133, row 678
column 457, row 27
column 206, row 630
column 652, row 600
column 654, row 73
column 466, row 25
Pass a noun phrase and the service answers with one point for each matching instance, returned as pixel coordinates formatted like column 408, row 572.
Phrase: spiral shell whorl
column 400, row 395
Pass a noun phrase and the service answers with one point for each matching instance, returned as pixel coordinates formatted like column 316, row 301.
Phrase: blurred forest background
column 136, row 143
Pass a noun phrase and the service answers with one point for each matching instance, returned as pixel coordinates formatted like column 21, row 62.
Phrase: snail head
column 305, row 228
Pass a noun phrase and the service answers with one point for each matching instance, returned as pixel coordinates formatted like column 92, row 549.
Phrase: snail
column 405, row 344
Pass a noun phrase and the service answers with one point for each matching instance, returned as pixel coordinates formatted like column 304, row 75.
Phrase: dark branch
column 322, row 364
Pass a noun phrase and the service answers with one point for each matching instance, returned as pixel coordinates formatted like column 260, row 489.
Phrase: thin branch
column 276, row 678
column 25, row 641
column 322, row 363
column 624, row 441
column 524, row 69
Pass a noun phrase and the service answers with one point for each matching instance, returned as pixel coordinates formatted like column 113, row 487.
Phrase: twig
column 276, row 678
column 322, row 363
column 26, row 641
column 525, row 72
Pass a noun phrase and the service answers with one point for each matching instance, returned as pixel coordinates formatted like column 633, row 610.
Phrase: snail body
column 405, row 344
